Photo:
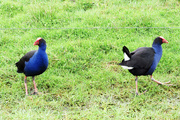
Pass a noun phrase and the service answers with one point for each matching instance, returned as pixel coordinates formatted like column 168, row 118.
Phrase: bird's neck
column 157, row 48
column 42, row 48
column 158, row 52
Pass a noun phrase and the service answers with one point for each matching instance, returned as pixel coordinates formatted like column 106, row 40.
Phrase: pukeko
column 33, row 63
column 144, row 60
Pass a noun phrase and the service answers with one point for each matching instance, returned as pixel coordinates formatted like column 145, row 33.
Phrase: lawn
column 84, row 45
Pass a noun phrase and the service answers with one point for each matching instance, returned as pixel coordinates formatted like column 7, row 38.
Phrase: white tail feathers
column 126, row 67
column 126, row 58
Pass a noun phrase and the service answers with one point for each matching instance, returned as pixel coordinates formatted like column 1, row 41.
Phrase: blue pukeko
column 33, row 63
column 144, row 60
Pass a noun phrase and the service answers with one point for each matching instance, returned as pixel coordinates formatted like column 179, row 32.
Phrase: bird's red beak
column 37, row 41
column 163, row 40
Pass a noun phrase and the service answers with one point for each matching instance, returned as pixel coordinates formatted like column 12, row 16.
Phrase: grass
column 83, row 80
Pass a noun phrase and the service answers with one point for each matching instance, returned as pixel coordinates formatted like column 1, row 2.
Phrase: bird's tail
column 127, row 55
column 19, row 67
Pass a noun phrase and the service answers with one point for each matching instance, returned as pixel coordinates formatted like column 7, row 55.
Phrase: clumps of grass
column 87, row 5
column 10, row 9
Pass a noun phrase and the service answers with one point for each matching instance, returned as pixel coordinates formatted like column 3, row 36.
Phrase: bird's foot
column 160, row 83
column 34, row 93
column 166, row 83
column 140, row 93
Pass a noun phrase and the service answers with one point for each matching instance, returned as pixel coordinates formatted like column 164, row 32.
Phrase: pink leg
column 160, row 83
column 25, row 83
column 35, row 89
column 136, row 79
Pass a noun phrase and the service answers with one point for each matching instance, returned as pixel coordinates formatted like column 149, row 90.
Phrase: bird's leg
column 160, row 83
column 25, row 83
column 136, row 80
column 35, row 89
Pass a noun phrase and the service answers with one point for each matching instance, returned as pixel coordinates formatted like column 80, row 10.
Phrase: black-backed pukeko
column 33, row 63
column 144, row 60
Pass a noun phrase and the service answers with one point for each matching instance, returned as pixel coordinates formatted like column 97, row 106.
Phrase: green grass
column 83, row 80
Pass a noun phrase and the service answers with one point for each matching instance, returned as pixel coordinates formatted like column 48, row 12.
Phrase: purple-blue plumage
column 144, row 60
column 38, row 63
column 157, row 56
column 34, row 62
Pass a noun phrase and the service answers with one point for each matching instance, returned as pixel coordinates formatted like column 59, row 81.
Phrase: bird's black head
column 160, row 40
column 39, row 42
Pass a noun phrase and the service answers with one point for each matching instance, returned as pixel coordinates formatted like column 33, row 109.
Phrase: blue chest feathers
column 157, row 56
column 37, row 64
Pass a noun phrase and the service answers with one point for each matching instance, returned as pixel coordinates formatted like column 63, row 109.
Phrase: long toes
column 145, row 91
column 34, row 93
column 167, row 82
column 141, row 93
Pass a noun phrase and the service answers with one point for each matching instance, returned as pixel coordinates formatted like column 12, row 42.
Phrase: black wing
column 21, row 63
column 141, row 60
